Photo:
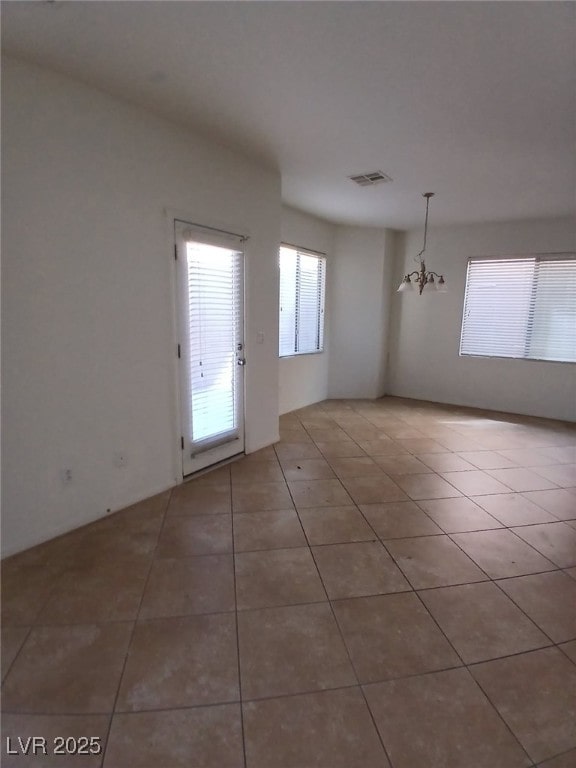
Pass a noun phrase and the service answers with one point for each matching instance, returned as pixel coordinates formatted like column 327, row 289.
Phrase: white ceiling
column 471, row 100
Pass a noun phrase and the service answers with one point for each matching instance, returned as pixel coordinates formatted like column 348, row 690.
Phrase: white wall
column 89, row 346
column 424, row 361
column 304, row 378
column 360, row 310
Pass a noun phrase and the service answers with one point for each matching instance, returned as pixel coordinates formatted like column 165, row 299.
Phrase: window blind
column 521, row 307
column 302, row 292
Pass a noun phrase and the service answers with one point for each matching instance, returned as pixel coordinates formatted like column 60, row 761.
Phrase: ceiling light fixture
column 423, row 279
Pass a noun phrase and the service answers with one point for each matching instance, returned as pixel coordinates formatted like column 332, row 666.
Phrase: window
column 521, row 307
column 302, row 288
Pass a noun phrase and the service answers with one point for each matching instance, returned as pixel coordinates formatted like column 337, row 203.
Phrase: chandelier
column 425, row 280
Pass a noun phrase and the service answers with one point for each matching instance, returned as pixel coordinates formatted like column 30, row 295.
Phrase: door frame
column 172, row 215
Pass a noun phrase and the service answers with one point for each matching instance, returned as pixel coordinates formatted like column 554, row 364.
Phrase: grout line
column 331, row 424
column 18, row 652
column 134, row 623
column 350, row 661
column 241, row 707
column 499, row 715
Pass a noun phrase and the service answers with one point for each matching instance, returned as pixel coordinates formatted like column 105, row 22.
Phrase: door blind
column 215, row 331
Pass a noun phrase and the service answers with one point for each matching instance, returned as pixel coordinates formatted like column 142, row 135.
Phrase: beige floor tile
column 200, row 499
column 189, row 585
column 527, row 457
column 445, row 462
column 441, row 720
column 556, row 541
column 501, row 553
column 419, row 445
column 255, row 497
column 301, row 450
column 293, row 649
column 267, row 530
column 319, row 493
column 73, row 669
column 433, row 561
column 501, row 441
column 198, row 535
column 566, row 760
column 220, row 476
column 549, row 600
column 359, row 466
column 403, row 464
column 366, row 432
column 181, row 662
column 306, row 469
column 569, row 649
column 408, row 464
column 277, row 577
column 354, row 570
column 12, row 640
column 475, row 482
column 372, row 490
column 107, row 591
column 561, row 503
column 403, row 432
column 341, row 448
column 535, row 693
column 392, row 636
column 25, row 591
column 249, row 471
column 563, row 475
column 120, row 544
column 513, row 509
column 426, row 486
column 50, row 553
column 486, row 459
column 458, row 515
column 334, row 525
column 328, row 435
column 481, row 622
column 318, row 421
column 521, row 479
column 330, row 729
column 460, row 443
column 294, row 434
column 399, row 520
column 263, row 454
column 562, row 454
column 384, row 447
column 210, row 737
column 52, row 728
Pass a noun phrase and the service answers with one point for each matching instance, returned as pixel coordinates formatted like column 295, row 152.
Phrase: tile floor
column 392, row 584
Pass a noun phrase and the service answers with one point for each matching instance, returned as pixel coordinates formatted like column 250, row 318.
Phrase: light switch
column 260, row 337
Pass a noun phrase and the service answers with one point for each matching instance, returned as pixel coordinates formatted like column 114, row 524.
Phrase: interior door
column 210, row 285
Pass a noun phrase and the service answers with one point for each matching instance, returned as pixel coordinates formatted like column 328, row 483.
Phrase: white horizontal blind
column 215, row 327
column 521, row 308
column 552, row 326
column 302, row 292
column 287, row 331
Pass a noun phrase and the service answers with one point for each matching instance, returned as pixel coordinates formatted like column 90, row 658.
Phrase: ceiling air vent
column 369, row 179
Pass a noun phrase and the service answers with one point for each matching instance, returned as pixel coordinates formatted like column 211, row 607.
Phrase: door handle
column 241, row 361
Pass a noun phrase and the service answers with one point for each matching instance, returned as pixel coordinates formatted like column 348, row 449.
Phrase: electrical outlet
column 66, row 476
column 120, row 460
